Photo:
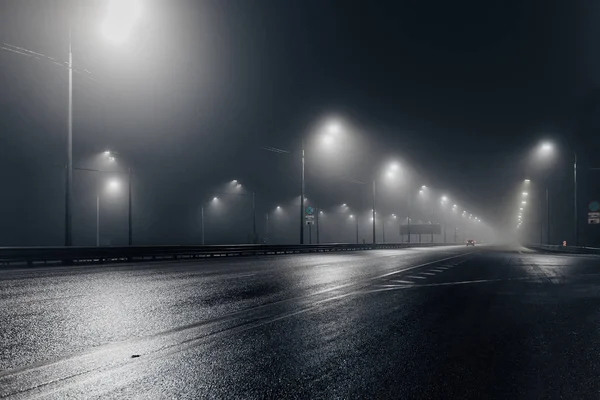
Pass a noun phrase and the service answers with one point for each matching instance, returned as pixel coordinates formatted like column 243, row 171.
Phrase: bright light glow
column 520, row 208
column 239, row 185
column 523, row 202
column 107, row 152
column 278, row 207
column 527, row 181
column 394, row 216
column 328, row 139
column 121, row 16
column 234, row 181
column 525, row 193
column 215, row 199
column 111, row 159
column 394, row 167
column 371, row 218
column 421, row 192
column 454, row 206
column 320, row 212
column 113, row 185
column 351, row 216
column 390, row 174
column 547, row 146
column 334, row 127
column 423, row 187
column 344, row 205
column 444, row 198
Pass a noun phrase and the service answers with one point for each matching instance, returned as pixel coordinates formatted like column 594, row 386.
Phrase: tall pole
column 202, row 223
column 69, row 183
column 302, row 199
column 374, row 202
column 130, row 210
column 267, row 229
column 547, row 217
column 383, row 228
column 444, row 230
column 431, row 223
column 541, row 219
column 356, row 229
column 575, row 220
column 408, row 220
column 253, row 218
column 310, row 234
column 317, row 211
column 98, row 220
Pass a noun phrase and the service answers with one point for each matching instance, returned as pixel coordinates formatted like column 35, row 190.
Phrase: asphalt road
column 439, row 323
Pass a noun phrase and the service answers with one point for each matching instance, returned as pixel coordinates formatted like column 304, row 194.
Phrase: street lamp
column 332, row 129
column 120, row 17
column 392, row 168
column 112, row 157
column 356, row 223
column 113, row 186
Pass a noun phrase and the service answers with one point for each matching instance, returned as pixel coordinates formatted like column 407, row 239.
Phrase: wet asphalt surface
column 448, row 322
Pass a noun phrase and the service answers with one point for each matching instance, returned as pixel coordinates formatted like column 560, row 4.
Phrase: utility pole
column 98, row 220
column 69, row 183
column 547, row 217
column 254, row 240
column 575, row 219
column 130, row 222
column 202, row 219
column 357, row 229
column 318, row 212
column 541, row 219
column 302, row 198
column 374, row 202
column 267, row 229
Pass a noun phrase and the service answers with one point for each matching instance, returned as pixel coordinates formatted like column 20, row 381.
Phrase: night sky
column 458, row 92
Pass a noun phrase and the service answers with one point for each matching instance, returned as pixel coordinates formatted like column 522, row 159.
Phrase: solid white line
column 427, row 273
column 437, row 270
column 416, row 277
column 401, row 281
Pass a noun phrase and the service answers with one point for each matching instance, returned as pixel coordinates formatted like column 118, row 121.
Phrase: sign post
column 309, row 216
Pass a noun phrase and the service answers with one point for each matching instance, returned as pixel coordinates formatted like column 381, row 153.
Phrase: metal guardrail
column 564, row 249
column 98, row 255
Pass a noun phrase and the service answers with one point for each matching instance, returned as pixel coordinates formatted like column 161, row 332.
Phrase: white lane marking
column 401, row 281
column 324, row 265
column 427, row 273
column 416, row 277
column 437, row 270
column 451, row 283
column 414, row 267
column 392, row 286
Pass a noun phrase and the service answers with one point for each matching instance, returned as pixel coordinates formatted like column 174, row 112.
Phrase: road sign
column 309, row 210
column 593, row 218
column 594, row 206
column 594, row 215
column 309, row 222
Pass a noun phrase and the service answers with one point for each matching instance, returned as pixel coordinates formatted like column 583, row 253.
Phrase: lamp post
column 112, row 186
column 333, row 128
column 356, row 221
column 112, row 157
column 391, row 170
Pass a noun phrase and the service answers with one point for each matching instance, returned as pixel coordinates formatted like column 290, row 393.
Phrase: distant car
column 470, row 242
